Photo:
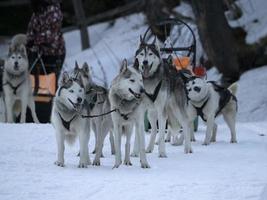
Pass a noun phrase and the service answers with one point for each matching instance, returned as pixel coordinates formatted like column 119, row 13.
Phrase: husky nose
column 79, row 99
column 197, row 89
column 16, row 65
column 142, row 90
column 145, row 62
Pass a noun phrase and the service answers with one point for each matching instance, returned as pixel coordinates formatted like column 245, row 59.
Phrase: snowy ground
column 219, row 171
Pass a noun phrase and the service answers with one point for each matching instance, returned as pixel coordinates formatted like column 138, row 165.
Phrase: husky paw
column 149, row 150
column 206, row 143
column 177, row 141
column 193, row 139
column 134, row 154
column 162, row 155
column 233, row 141
column 112, row 152
column 117, row 164
column 82, row 165
column 167, row 140
column 60, row 164
column 127, row 163
column 96, row 162
column 93, row 152
column 188, row 150
column 145, row 165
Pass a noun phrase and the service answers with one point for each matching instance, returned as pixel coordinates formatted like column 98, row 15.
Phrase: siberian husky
column 16, row 82
column 66, row 117
column 97, row 103
column 208, row 100
column 165, row 90
column 126, row 99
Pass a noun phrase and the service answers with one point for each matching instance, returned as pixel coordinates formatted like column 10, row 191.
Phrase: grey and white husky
column 165, row 89
column 126, row 99
column 16, row 82
column 97, row 103
column 208, row 100
column 66, row 117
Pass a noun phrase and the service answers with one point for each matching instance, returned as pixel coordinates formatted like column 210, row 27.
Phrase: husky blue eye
column 132, row 80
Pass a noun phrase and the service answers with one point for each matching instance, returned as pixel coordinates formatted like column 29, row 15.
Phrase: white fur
column 120, row 89
column 16, row 75
column 78, row 127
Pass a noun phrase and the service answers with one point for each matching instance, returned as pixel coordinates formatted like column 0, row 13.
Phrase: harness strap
column 154, row 96
column 14, row 88
column 103, row 114
column 200, row 110
column 65, row 123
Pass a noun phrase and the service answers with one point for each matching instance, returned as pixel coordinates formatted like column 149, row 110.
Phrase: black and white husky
column 16, row 82
column 66, row 117
column 208, row 100
column 126, row 99
column 97, row 103
column 165, row 90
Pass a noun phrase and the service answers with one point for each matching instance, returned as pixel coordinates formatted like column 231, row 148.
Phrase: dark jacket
column 44, row 30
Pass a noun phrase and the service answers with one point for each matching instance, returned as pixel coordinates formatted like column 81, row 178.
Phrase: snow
column 219, row 171
column 253, row 20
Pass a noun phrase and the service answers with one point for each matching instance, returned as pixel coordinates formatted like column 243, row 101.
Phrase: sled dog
column 97, row 103
column 126, row 99
column 208, row 100
column 165, row 89
column 66, row 117
column 16, row 82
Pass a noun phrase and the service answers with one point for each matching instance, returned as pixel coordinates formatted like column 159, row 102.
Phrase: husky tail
column 233, row 88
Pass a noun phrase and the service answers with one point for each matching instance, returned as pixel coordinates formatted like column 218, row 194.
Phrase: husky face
column 129, row 83
column 147, row 58
column 71, row 93
column 17, row 61
column 196, row 88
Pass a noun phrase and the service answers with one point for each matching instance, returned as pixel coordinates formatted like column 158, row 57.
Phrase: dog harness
column 225, row 97
column 65, row 123
column 154, row 96
column 14, row 88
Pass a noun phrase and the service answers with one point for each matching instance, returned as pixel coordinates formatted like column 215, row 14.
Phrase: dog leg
column 84, row 153
column 214, row 133
column 168, row 136
column 230, row 120
column 135, row 152
column 111, row 139
column 127, row 160
column 9, row 104
column 152, row 118
column 192, row 135
column 23, row 109
column 60, row 137
column 210, row 125
column 141, row 139
column 95, row 133
column 162, row 124
column 117, row 134
column 33, row 111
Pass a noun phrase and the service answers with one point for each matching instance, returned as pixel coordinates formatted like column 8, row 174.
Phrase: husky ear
column 65, row 78
column 169, row 60
column 141, row 39
column 136, row 64
column 76, row 65
column 123, row 66
column 10, row 50
column 86, row 68
column 154, row 40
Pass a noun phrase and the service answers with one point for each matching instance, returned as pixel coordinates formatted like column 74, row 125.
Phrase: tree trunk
column 80, row 18
column 217, row 38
